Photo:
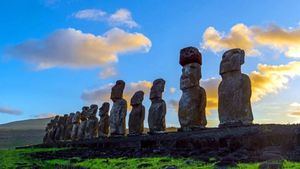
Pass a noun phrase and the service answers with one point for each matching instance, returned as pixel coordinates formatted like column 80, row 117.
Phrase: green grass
column 21, row 159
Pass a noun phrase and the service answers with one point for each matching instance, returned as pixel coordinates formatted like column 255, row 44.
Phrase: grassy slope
column 22, row 133
column 21, row 158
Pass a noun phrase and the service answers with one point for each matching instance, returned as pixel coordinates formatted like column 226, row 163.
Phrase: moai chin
column 157, row 110
column 91, row 130
column 119, row 110
column 82, row 126
column 104, row 120
column 75, row 126
column 137, row 114
column 234, row 91
column 192, row 104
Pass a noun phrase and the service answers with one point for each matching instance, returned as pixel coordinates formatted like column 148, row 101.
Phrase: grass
column 21, row 159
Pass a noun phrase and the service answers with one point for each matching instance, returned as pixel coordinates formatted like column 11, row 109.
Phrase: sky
column 59, row 55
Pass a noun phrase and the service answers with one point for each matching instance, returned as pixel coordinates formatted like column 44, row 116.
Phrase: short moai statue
column 47, row 138
column 192, row 104
column 157, row 110
column 83, row 119
column 54, row 128
column 137, row 114
column 234, row 91
column 92, row 123
column 104, row 120
column 59, row 128
column 75, row 126
column 69, row 126
column 118, row 111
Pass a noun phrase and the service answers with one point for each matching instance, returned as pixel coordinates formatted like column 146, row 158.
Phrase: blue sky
column 47, row 69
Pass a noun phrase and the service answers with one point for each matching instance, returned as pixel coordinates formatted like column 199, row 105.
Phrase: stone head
column 157, row 88
column 117, row 90
column 232, row 60
column 93, row 109
column 84, row 112
column 137, row 98
column 103, row 110
column 191, row 74
column 190, row 55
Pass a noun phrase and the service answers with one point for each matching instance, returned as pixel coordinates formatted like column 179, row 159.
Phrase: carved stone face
column 137, row 98
column 84, row 112
column 104, row 109
column 117, row 90
column 232, row 61
column 93, row 110
column 191, row 74
column 157, row 88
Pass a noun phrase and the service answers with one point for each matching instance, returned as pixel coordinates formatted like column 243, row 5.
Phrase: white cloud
column 108, row 71
column 172, row 90
column 91, row 14
column 45, row 115
column 295, row 104
column 102, row 94
column 8, row 110
column 74, row 49
column 122, row 17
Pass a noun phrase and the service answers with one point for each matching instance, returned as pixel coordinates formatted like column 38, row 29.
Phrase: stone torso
column 157, row 112
column 117, row 117
column 136, row 119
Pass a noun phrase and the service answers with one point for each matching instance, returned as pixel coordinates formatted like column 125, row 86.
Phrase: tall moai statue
column 83, row 119
column 192, row 104
column 234, row 91
column 158, row 109
column 91, row 130
column 47, row 138
column 59, row 128
column 69, row 126
column 76, row 123
column 104, row 120
column 119, row 110
column 54, row 128
column 137, row 114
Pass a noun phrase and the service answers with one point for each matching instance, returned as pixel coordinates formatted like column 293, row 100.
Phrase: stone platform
column 244, row 143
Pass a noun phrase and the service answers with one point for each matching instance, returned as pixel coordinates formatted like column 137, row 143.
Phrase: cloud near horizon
column 121, row 17
column 103, row 93
column 11, row 111
column 253, row 38
column 71, row 48
column 45, row 115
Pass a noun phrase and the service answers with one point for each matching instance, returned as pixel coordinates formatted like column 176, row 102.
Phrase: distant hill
column 20, row 133
column 31, row 124
column 27, row 132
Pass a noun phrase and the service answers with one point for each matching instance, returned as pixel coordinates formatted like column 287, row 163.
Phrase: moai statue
column 83, row 119
column 69, row 126
column 64, row 127
column 92, row 123
column 119, row 110
column 157, row 111
column 234, row 91
column 191, row 110
column 137, row 114
column 48, row 128
column 54, row 128
column 75, row 126
column 104, row 120
column 59, row 128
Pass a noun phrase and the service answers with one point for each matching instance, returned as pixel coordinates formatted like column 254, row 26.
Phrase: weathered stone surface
column 104, row 120
column 192, row 104
column 68, row 127
column 83, row 119
column 119, row 110
column 157, row 110
column 75, row 126
column 48, row 138
column 91, row 130
column 190, row 55
column 234, row 91
column 137, row 114
column 60, row 128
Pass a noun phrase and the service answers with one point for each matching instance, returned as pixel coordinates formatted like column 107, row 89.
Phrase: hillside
column 21, row 133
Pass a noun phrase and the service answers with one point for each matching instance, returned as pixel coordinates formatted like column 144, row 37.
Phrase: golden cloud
column 251, row 38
